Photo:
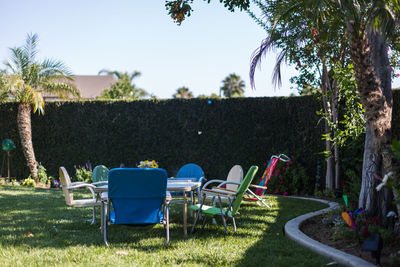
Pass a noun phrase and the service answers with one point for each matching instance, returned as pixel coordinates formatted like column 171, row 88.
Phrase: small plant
column 328, row 193
column 148, row 164
column 83, row 175
column 318, row 193
column 42, row 175
column 29, row 182
column 14, row 182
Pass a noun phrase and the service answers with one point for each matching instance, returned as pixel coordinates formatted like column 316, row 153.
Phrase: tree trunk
column 380, row 60
column 370, row 166
column 377, row 105
column 335, row 115
column 329, row 164
column 327, row 109
column 25, row 133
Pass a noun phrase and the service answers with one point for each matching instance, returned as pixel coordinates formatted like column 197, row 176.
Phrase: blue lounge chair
column 192, row 172
column 136, row 196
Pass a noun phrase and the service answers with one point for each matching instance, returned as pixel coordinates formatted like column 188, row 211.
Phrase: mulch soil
column 315, row 229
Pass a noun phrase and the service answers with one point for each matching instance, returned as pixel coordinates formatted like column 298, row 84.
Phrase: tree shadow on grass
column 274, row 249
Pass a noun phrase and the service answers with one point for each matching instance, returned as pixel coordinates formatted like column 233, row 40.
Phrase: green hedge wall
column 216, row 134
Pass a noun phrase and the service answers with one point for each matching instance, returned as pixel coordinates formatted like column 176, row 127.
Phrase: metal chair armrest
column 217, row 192
column 84, row 185
column 213, row 181
column 225, row 189
column 258, row 186
column 100, row 182
column 75, row 183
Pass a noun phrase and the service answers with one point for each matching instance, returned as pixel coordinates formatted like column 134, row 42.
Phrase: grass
column 63, row 236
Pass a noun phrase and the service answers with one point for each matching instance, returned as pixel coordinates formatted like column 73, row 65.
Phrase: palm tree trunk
column 378, row 106
column 25, row 133
column 380, row 60
column 371, row 162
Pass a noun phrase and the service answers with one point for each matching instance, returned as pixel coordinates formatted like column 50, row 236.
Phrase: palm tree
column 367, row 24
column 25, row 81
column 125, row 87
column 183, row 92
column 233, row 86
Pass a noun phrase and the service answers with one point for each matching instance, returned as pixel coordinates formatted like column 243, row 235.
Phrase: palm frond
column 38, row 103
column 117, row 74
column 276, row 76
column 61, row 89
column 51, row 66
column 104, row 71
column 256, row 58
column 383, row 16
column 134, row 75
column 18, row 61
column 30, row 47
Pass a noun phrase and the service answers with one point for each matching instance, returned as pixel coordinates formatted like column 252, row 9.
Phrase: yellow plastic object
column 349, row 221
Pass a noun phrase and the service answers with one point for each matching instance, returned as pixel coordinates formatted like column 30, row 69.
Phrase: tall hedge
column 216, row 134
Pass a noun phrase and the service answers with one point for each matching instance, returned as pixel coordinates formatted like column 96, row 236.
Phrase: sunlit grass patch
column 38, row 229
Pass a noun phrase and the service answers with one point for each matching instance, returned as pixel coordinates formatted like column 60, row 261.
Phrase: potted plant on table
column 148, row 164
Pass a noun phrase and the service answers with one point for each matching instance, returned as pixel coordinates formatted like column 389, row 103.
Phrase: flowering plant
column 290, row 178
column 148, row 164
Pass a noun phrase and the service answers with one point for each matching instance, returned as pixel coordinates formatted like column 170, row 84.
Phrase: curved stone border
column 293, row 232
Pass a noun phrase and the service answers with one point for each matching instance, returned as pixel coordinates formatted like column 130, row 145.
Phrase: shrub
column 290, row 178
column 42, row 175
column 83, row 175
column 29, row 182
column 14, row 182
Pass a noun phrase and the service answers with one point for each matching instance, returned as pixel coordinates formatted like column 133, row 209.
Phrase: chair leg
column 234, row 224
column 222, row 214
column 94, row 215
column 166, row 214
column 204, row 222
column 105, row 225
column 198, row 214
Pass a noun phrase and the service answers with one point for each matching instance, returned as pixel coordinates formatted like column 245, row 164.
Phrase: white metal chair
column 234, row 175
column 68, row 187
column 232, row 182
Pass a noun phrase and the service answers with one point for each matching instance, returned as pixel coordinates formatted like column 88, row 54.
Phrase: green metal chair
column 100, row 175
column 234, row 197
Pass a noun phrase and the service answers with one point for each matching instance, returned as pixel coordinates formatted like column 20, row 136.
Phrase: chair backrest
column 65, row 182
column 137, row 194
column 100, row 174
column 190, row 170
column 269, row 171
column 243, row 187
column 234, row 175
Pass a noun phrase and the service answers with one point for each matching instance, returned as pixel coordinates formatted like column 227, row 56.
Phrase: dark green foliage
column 216, row 134
column 290, row 178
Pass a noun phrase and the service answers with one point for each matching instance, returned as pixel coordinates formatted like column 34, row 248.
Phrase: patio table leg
column 184, row 214
column 102, row 218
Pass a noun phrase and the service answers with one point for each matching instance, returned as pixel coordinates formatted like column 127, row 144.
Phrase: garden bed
column 326, row 234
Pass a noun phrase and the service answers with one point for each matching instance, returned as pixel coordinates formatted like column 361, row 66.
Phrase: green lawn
column 63, row 236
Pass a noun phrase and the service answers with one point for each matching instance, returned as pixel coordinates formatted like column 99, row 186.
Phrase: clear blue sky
column 129, row 35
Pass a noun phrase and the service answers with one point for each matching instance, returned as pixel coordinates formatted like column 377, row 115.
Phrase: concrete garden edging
column 292, row 230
